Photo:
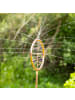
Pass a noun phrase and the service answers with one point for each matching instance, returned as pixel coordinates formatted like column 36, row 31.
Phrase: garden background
column 17, row 32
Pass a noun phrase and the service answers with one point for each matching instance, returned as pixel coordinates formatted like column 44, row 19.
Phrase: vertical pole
column 36, row 83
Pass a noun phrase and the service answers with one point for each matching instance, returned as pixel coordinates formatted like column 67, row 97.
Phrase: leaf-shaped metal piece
column 37, row 54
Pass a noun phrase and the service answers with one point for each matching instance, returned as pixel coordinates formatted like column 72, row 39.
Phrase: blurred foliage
column 16, row 69
column 70, row 83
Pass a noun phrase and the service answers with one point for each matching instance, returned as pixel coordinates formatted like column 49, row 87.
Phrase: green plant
column 70, row 83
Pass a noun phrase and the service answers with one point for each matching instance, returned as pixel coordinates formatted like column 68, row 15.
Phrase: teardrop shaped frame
column 43, row 54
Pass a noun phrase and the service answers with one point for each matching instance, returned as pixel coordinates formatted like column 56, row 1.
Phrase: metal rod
column 36, row 82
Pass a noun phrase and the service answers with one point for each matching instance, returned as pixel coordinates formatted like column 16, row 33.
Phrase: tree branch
column 23, row 24
column 54, row 36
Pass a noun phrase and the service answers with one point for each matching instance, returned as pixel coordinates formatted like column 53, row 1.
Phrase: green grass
column 18, row 73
